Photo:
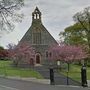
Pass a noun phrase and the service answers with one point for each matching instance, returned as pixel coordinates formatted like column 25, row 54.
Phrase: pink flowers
column 23, row 52
column 67, row 53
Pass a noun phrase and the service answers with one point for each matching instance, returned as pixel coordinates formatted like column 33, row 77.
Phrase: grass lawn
column 7, row 70
column 75, row 72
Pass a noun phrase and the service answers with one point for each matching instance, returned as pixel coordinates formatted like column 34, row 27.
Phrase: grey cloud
column 56, row 15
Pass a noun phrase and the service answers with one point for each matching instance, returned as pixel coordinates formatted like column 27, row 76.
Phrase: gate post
column 52, row 76
column 84, row 76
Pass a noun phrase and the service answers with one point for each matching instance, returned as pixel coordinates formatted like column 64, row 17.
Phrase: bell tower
column 36, row 15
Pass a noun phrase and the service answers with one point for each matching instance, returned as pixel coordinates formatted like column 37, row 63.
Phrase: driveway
column 59, row 78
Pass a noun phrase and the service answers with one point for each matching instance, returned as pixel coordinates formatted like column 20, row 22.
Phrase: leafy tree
column 8, row 13
column 1, row 48
column 3, row 53
column 83, row 18
column 74, row 35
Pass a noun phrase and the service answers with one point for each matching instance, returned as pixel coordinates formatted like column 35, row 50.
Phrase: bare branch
column 81, row 18
column 8, row 13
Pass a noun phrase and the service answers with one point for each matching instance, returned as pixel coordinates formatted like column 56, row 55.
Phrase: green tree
column 83, row 18
column 1, row 48
column 79, row 33
column 74, row 35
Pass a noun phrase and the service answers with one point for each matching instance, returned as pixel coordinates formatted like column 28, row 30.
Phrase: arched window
column 35, row 16
column 38, row 16
column 37, row 36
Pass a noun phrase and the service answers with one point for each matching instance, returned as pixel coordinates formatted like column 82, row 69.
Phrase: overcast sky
column 56, row 16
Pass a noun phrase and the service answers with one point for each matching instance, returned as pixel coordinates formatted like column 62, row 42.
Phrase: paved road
column 59, row 78
column 9, row 84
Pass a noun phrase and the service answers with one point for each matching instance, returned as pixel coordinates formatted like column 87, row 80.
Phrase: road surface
column 11, row 84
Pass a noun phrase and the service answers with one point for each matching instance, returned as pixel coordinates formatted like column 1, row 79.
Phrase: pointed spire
column 36, row 8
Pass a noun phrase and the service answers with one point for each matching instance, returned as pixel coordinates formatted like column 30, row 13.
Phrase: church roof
column 37, row 31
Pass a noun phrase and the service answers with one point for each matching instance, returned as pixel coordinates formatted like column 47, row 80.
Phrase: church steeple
column 36, row 15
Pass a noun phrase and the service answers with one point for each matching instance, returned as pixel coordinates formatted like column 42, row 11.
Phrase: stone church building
column 39, row 37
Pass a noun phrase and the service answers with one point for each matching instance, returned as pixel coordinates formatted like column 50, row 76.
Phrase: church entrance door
column 38, row 57
column 31, row 62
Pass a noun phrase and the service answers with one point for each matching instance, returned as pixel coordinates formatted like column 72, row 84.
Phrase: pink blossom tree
column 22, row 54
column 66, row 53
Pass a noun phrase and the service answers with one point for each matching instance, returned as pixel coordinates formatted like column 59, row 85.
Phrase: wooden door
column 37, row 59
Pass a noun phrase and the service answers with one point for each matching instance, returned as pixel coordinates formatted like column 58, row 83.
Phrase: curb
column 42, row 81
